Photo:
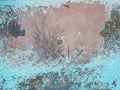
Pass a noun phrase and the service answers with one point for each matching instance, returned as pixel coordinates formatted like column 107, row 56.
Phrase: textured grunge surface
column 59, row 44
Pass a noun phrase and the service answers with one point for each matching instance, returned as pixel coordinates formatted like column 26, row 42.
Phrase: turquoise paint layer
column 107, row 67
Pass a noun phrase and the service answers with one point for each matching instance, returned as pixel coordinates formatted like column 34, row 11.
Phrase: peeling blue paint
column 107, row 68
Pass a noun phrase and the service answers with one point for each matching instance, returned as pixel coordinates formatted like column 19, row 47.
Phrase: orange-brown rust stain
column 81, row 22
